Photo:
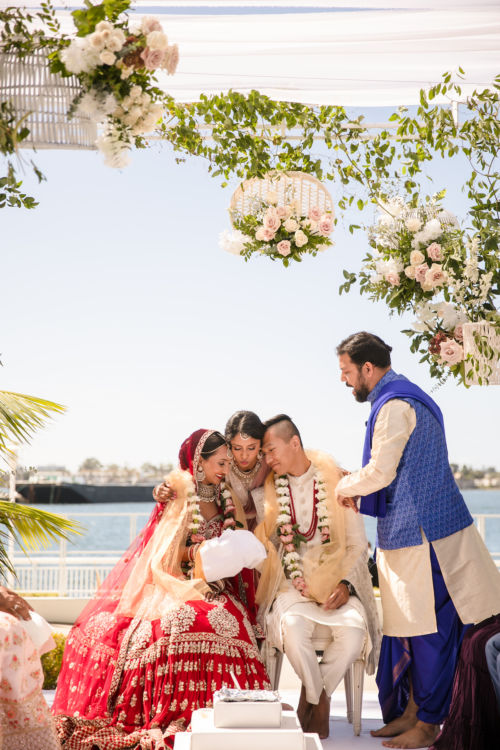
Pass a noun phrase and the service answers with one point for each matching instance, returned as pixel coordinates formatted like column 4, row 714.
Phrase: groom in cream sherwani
column 332, row 597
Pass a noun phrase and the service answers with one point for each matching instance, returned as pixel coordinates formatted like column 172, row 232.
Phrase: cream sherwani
column 405, row 576
column 295, row 621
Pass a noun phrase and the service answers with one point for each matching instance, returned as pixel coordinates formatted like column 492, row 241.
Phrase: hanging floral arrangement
column 116, row 63
column 283, row 216
column 421, row 261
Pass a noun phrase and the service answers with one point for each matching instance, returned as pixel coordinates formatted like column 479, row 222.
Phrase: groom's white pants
column 344, row 647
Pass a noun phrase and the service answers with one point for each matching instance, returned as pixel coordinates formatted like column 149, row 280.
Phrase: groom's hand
column 338, row 597
column 348, row 502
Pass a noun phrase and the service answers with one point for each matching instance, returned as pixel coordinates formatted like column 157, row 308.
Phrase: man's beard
column 361, row 393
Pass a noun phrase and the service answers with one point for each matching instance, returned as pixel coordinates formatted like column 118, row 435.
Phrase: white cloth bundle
column 40, row 632
column 229, row 553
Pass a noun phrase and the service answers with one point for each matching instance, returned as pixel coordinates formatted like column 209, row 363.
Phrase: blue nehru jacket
column 424, row 494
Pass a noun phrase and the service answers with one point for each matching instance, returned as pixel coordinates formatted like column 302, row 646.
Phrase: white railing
column 79, row 573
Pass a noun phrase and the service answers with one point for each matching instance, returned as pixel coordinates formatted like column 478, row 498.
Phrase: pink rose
column 229, row 522
column 150, row 24
column 325, row 225
column 197, row 538
column 287, row 528
column 271, row 219
column 263, row 234
column 458, row 333
column 420, row 272
column 289, row 548
column 281, row 212
column 314, row 214
column 152, row 58
column 171, row 59
column 451, row 352
column 410, row 272
column 286, row 539
column 435, row 276
column 229, row 507
column 393, row 278
column 434, row 251
column 284, row 247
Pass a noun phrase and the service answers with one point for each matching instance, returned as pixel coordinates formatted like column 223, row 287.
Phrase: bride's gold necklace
column 207, row 493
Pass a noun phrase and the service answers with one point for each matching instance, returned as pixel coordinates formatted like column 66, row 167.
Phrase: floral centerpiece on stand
column 423, row 262
column 281, row 232
column 116, row 63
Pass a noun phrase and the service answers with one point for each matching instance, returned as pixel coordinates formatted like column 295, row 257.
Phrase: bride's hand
column 163, row 493
column 216, row 588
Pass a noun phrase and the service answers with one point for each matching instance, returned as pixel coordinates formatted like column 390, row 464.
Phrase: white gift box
column 206, row 736
column 246, row 714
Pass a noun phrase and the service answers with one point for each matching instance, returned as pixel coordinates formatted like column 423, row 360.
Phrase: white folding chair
column 353, row 679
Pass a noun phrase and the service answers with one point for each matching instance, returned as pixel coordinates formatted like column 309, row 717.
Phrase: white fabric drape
column 381, row 54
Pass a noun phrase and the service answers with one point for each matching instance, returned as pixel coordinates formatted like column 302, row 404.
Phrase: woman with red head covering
column 157, row 641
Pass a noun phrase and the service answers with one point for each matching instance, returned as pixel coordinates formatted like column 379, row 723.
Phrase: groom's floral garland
column 289, row 533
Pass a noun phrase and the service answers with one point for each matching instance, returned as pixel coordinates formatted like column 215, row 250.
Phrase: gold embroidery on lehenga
column 178, row 620
column 223, row 622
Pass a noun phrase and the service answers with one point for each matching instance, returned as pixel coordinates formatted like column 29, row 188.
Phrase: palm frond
column 21, row 415
column 31, row 528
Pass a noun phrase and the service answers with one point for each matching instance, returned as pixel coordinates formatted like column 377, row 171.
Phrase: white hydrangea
column 433, row 229
column 232, row 242
column 78, row 58
column 116, row 152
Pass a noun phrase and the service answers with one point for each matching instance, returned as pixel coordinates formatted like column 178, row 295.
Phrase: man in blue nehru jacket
column 436, row 575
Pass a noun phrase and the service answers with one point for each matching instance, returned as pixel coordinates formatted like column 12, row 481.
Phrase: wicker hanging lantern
column 482, row 343
column 45, row 98
column 304, row 189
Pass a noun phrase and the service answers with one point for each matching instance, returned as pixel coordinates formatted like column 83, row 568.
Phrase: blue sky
column 118, row 303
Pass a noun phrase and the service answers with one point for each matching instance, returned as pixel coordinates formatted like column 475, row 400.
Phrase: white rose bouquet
column 115, row 64
column 422, row 262
column 416, row 251
column 282, row 232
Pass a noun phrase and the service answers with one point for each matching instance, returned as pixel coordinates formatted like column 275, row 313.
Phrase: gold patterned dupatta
column 157, row 583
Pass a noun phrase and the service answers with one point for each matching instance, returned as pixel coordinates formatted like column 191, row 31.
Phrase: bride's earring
column 200, row 474
column 259, row 455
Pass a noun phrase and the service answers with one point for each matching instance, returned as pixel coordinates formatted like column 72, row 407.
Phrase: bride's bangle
column 192, row 550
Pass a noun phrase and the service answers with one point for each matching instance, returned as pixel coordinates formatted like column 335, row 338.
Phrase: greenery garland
column 248, row 138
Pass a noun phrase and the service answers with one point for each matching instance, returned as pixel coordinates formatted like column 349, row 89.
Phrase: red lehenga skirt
column 128, row 683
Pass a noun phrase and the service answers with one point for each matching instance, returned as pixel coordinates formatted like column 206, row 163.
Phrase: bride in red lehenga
column 156, row 641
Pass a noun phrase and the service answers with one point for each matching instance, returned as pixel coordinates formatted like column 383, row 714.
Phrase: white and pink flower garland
column 282, row 232
column 289, row 533
column 227, row 506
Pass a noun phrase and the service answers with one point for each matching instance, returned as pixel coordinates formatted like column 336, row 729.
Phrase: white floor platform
column 341, row 734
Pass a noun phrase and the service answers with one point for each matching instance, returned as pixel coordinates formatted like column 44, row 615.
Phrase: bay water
column 106, row 531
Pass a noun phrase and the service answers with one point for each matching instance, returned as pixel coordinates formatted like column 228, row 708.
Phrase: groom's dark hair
column 366, row 347
column 286, row 427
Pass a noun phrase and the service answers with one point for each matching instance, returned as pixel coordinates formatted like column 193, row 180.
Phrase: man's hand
column 338, row 597
column 163, row 493
column 13, row 604
column 348, row 502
